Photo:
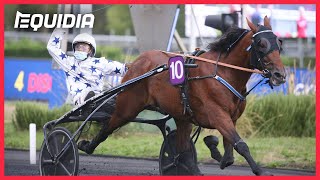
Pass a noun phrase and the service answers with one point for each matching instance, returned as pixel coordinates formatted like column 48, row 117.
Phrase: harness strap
column 184, row 86
column 216, row 65
column 220, row 79
column 224, row 82
column 185, row 101
column 214, row 62
column 200, row 77
column 232, row 89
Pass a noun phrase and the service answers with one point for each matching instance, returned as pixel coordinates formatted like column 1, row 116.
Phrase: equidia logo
column 36, row 21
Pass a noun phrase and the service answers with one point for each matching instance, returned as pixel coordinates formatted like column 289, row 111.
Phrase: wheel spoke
column 55, row 170
column 184, row 167
column 47, row 162
column 64, row 152
column 65, row 169
column 56, row 146
column 167, row 167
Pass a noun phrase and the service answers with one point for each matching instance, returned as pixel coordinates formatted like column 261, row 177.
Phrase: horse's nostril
column 278, row 75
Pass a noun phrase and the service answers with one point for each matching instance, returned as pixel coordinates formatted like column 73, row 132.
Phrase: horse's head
column 265, row 52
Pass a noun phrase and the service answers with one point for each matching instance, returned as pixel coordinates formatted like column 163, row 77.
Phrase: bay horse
column 213, row 105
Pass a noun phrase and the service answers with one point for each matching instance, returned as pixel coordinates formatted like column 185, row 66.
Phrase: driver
column 85, row 74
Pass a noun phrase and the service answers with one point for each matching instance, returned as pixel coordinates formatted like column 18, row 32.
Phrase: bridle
column 263, row 43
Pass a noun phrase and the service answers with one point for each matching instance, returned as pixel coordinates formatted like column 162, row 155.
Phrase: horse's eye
column 262, row 43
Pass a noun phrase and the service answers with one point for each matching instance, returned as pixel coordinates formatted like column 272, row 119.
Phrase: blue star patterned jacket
column 82, row 76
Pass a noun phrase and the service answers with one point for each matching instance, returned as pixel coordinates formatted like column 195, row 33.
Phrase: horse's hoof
column 84, row 146
column 260, row 172
column 188, row 164
column 225, row 163
column 193, row 171
column 266, row 173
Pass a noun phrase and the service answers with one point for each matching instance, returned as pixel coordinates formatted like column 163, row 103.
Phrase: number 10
column 175, row 74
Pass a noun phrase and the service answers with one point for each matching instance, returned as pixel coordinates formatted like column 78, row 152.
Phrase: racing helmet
column 86, row 38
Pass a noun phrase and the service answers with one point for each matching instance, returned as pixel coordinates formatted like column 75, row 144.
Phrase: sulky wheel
column 68, row 163
column 168, row 161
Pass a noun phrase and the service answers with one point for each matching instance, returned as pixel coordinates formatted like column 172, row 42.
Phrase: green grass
column 278, row 115
column 27, row 112
column 19, row 139
column 9, row 109
column 308, row 62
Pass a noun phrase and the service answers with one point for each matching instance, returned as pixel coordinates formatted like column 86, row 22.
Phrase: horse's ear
column 267, row 22
column 251, row 26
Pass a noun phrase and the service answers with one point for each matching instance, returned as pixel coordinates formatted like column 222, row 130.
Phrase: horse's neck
column 239, row 57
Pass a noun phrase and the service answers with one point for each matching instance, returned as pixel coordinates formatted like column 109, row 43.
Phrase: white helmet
column 86, row 38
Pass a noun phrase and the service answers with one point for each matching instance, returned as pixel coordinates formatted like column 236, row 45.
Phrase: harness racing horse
column 213, row 105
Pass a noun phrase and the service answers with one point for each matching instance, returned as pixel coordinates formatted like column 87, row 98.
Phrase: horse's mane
column 223, row 43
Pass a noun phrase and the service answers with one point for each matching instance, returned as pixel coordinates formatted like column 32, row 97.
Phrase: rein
column 215, row 62
column 265, row 73
column 220, row 79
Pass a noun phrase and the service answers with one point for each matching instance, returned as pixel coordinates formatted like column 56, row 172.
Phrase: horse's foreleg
column 183, row 136
column 184, row 149
column 227, row 129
